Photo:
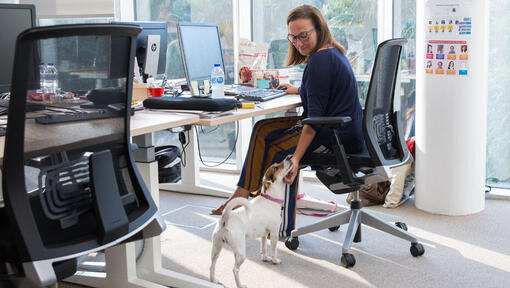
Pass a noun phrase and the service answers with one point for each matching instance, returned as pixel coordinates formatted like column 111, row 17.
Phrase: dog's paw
column 276, row 261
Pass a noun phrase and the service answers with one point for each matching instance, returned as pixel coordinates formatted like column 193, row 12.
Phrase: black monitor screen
column 200, row 48
column 151, row 28
column 13, row 20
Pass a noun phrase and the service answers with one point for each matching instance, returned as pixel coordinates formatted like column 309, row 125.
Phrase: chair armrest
column 334, row 122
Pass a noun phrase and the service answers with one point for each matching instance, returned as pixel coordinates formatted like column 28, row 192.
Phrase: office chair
column 70, row 188
column 348, row 173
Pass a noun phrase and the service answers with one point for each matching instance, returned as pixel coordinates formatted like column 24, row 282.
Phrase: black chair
column 71, row 187
column 348, row 173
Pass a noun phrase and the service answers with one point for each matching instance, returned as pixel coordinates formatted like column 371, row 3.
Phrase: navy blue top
column 329, row 89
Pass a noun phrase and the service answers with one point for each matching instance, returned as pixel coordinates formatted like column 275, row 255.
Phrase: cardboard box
column 139, row 91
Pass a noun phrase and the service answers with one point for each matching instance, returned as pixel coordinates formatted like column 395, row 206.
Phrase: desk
column 190, row 174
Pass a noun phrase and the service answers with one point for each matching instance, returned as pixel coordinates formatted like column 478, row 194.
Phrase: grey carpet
column 461, row 251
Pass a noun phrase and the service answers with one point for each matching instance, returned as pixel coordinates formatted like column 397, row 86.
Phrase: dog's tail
column 238, row 201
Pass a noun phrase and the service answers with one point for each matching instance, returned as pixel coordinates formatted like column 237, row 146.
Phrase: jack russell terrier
column 255, row 218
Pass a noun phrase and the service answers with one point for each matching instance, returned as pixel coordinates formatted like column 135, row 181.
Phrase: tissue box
column 139, row 91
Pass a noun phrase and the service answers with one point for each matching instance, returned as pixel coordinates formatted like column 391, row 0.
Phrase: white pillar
column 451, row 111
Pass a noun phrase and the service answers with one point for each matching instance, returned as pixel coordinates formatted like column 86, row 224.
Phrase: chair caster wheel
column 334, row 228
column 417, row 249
column 292, row 243
column 401, row 225
column 348, row 260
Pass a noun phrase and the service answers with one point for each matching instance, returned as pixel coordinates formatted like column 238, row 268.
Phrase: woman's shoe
column 219, row 210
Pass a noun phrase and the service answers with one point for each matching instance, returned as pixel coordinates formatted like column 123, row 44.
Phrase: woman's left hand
column 289, row 178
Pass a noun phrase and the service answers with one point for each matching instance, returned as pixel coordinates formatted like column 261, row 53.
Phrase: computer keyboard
column 78, row 116
column 261, row 95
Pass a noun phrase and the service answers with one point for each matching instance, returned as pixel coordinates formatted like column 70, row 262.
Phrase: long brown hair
column 324, row 36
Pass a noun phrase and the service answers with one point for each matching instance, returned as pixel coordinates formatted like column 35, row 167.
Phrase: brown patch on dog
column 271, row 174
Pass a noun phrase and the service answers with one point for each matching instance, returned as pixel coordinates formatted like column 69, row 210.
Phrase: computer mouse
column 282, row 88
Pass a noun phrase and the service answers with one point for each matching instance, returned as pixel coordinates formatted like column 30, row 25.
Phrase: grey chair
column 70, row 182
column 348, row 173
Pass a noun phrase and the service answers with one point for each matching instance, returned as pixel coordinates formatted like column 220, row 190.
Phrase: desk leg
column 190, row 174
column 243, row 141
column 120, row 271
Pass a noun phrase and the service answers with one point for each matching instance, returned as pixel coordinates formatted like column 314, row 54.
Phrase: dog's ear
column 273, row 174
column 267, row 183
column 268, row 179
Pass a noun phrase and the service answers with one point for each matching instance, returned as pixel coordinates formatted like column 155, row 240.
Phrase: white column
column 451, row 112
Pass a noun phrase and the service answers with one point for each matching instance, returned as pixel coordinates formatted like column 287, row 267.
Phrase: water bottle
column 51, row 78
column 42, row 77
column 217, row 81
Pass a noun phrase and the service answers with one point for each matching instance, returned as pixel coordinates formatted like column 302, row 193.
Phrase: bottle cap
column 217, row 65
column 51, row 64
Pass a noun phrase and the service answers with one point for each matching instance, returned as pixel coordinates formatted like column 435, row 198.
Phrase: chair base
column 355, row 217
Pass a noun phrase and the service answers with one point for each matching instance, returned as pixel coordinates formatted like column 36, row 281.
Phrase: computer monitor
column 150, row 28
column 200, row 49
column 14, row 18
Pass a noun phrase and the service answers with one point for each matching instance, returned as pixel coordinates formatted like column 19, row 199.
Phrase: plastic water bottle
column 42, row 77
column 51, row 78
column 217, row 81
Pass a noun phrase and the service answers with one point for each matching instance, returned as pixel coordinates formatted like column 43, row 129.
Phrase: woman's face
column 303, row 27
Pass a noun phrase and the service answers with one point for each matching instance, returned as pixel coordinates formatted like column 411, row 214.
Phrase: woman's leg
column 255, row 163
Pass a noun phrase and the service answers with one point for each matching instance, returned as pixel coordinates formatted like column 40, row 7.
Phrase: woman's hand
column 290, row 89
column 289, row 178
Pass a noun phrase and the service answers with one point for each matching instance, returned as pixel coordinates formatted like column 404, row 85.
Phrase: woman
column 328, row 89
column 451, row 65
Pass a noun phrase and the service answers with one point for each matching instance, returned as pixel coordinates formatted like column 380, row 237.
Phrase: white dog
column 255, row 219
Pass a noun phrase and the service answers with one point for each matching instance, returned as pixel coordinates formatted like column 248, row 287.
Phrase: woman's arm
column 306, row 137
column 290, row 89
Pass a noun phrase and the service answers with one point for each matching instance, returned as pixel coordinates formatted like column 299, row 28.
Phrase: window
column 173, row 12
column 404, row 25
column 61, row 21
column 352, row 23
column 216, row 143
column 69, row 51
column 498, row 104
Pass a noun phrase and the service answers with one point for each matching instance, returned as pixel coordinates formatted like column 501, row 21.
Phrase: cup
column 155, row 92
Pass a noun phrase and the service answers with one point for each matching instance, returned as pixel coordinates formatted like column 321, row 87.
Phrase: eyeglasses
column 303, row 36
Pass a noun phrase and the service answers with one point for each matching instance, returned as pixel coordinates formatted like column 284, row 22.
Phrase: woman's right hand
column 290, row 89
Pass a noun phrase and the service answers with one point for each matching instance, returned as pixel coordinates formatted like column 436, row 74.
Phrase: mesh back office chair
column 347, row 173
column 71, row 188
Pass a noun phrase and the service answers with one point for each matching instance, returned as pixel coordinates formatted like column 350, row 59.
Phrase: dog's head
column 275, row 173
